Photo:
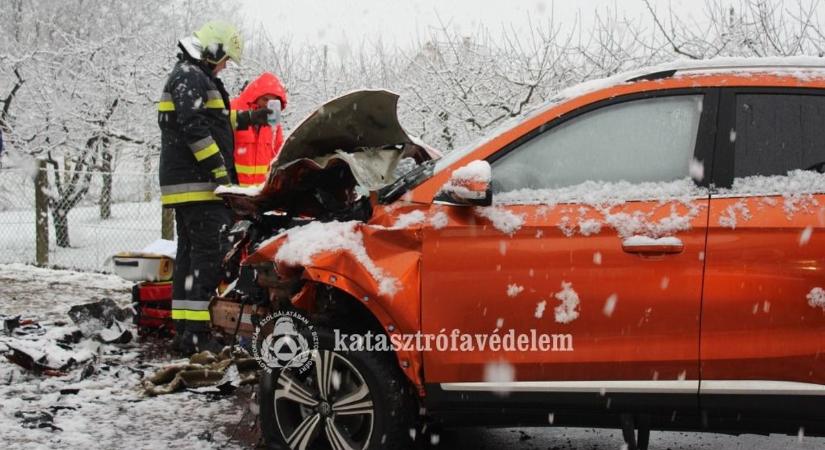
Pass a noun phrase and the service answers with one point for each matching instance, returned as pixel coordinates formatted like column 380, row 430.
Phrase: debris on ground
column 103, row 318
column 37, row 419
column 117, row 333
column 97, row 402
column 57, row 349
column 205, row 373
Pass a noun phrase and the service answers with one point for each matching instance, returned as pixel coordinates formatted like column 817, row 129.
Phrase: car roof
column 800, row 66
column 734, row 64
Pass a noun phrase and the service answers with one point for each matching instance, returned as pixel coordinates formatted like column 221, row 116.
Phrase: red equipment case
column 153, row 307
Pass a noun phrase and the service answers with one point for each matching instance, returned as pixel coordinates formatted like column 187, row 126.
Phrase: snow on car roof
column 790, row 65
column 798, row 66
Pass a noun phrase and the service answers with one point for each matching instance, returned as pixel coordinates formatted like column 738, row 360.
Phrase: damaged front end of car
column 317, row 237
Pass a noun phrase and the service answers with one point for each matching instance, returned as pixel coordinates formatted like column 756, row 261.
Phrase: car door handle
column 644, row 245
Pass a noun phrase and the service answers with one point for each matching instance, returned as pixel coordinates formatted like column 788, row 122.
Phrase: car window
column 778, row 133
column 642, row 140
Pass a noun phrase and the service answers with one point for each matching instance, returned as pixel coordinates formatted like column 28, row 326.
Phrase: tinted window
column 641, row 140
column 777, row 133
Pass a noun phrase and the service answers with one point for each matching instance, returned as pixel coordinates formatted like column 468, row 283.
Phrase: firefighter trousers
column 197, row 264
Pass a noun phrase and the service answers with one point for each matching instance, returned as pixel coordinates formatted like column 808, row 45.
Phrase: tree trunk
column 148, row 177
column 41, row 214
column 167, row 226
column 106, row 187
column 60, row 216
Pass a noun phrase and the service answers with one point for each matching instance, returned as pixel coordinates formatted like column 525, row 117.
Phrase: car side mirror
column 468, row 186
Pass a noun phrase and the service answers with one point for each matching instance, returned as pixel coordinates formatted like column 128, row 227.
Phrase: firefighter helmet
column 220, row 39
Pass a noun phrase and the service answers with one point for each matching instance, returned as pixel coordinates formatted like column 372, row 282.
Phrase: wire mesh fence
column 91, row 215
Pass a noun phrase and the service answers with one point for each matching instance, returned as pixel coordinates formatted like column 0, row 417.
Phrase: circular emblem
column 284, row 340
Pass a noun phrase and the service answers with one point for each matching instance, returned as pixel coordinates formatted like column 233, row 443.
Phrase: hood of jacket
column 266, row 84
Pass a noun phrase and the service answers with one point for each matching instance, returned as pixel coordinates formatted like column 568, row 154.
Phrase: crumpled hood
column 353, row 141
column 359, row 119
column 266, row 84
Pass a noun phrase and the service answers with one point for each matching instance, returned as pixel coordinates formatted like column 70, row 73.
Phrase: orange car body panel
column 398, row 253
column 756, row 322
column 651, row 333
column 654, row 330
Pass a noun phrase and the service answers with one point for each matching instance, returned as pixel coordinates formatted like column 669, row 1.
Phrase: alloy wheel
column 327, row 407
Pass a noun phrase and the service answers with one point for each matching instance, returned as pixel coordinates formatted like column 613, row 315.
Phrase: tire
column 379, row 411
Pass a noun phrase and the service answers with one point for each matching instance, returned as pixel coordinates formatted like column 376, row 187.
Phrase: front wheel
column 346, row 400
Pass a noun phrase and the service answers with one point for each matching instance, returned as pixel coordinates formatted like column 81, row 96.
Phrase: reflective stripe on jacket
column 197, row 141
column 257, row 146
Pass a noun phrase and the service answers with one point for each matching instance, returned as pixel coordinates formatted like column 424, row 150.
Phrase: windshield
column 451, row 157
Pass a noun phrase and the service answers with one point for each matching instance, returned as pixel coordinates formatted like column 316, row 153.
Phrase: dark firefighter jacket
column 196, row 136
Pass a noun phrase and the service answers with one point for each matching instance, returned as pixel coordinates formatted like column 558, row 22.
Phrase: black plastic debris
column 36, row 363
column 106, row 311
column 37, row 419
column 28, row 328
column 56, row 408
column 87, row 371
column 10, row 323
column 206, row 435
column 116, row 333
column 71, row 337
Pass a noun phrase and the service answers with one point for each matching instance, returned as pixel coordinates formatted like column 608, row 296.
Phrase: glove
column 259, row 116
column 255, row 117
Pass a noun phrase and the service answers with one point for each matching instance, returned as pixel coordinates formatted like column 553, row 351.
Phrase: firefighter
column 257, row 146
column 195, row 158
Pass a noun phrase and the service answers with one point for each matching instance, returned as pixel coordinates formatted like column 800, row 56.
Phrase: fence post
column 167, row 226
column 41, row 213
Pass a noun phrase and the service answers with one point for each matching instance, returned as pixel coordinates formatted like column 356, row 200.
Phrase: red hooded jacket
column 257, row 146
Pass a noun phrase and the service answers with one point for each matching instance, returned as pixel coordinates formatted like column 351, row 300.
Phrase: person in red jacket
column 257, row 146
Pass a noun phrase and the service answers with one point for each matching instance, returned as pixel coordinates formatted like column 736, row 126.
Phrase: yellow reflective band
column 216, row 103
column 166, row 106
column 212, row 149
column 233, row 119
column 185, row 314
column 251, row 170
column 219, row 172
column 185, row 197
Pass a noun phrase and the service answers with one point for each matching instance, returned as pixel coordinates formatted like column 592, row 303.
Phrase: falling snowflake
column 805, row 236
column 499, row 374
column 514, row 290
column 696, row 169
column 540, row 309
column 566, row 312
column 816, row 298
column 610, row 305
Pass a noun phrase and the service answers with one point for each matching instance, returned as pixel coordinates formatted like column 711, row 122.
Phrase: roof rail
column 652, row 76
column 758, row 64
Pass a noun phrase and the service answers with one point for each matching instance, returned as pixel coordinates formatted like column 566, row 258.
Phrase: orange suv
column 647, row 250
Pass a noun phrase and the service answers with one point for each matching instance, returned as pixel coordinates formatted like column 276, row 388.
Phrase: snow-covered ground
column 132, row 226
column 109, row 411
